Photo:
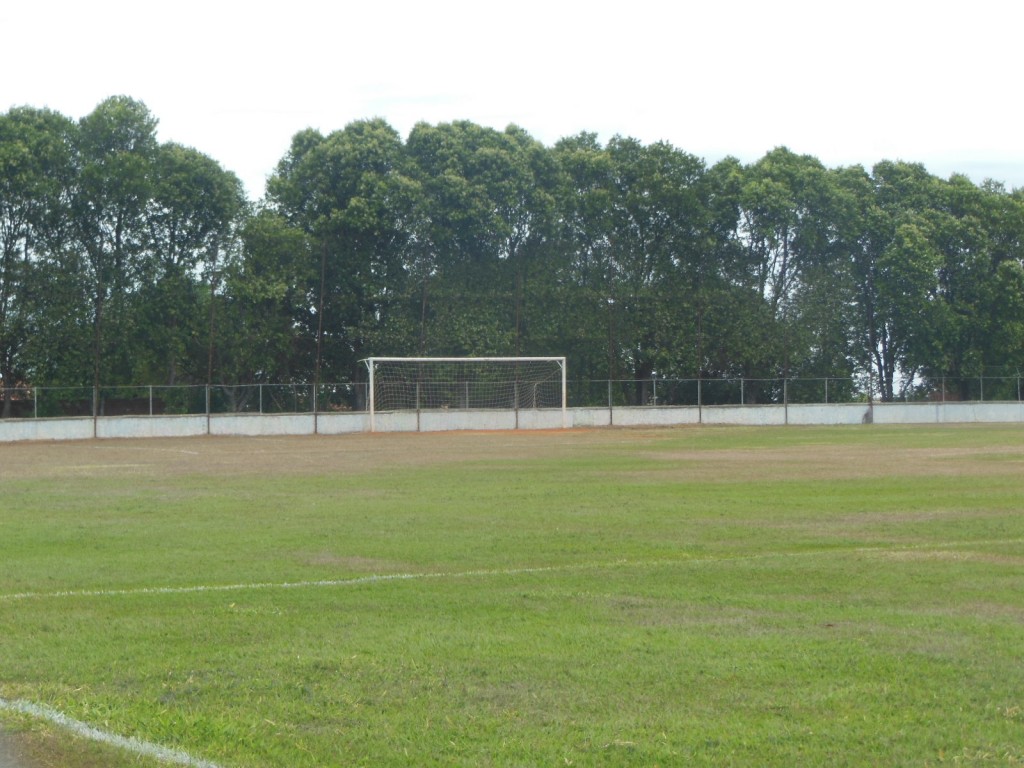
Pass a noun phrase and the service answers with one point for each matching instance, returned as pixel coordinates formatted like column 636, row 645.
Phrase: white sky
column 849, row 82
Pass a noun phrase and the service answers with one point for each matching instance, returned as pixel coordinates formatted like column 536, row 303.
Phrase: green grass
column 714, row 597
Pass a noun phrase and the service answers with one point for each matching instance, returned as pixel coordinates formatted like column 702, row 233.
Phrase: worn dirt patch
column 351, row 563
column 839, row 462
column 698, row 459
column 292, row 455
column 8, row 757
column 911, row 555
column 42, row 748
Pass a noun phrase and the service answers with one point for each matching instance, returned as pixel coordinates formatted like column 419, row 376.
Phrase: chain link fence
column 782, row 391
column 50, row 402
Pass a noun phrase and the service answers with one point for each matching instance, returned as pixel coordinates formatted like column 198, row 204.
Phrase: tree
column 977, row 232
column 265, row 288
column 657, row 244
column 787, row 233
column 585, row 317
column 485, row 225
column 349, row 193
column 191, row 218
column 35, row 164
column 109, row 201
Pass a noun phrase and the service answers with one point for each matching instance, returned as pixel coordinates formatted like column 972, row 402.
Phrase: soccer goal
column 441, row 385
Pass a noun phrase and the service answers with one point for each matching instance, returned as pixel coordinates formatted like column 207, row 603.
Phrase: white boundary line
column 374, row 579
column 86, row 731
column 178, row 757
column 387, row 577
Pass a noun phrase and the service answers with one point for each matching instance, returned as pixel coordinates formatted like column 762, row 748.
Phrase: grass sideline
column 698, row 596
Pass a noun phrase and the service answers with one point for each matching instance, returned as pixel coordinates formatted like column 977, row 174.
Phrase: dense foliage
column 127, row 261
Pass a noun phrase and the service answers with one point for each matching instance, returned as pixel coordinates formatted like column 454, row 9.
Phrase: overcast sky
column 849, row 82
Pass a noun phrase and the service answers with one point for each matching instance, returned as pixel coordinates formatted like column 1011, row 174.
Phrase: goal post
column 438, row 384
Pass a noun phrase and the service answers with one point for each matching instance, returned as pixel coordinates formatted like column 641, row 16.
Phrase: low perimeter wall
column 435, row 421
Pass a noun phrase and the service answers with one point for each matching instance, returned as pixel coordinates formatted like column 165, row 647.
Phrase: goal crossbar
column 432, row 379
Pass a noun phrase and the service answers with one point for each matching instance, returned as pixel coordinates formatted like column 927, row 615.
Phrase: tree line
column 124, row 260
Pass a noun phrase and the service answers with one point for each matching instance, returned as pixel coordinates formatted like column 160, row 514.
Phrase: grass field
column 694, row 596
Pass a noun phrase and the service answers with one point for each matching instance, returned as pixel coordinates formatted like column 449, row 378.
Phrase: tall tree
column 585, row 315
column 191, row 217
column 657, row 244
column 485, row 222
column 977, row 233
column 786, row 232
column 264, row 289
column 349, row 192
column 116, row 148
column 35, row 166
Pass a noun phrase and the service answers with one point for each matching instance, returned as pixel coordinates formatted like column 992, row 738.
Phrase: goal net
column 465, row 383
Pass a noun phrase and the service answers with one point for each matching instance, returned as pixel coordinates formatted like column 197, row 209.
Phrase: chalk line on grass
column 484, row 572
column 253, row 586
column 86, row 731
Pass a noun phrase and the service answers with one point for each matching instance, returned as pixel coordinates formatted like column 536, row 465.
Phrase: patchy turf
column 700, row 596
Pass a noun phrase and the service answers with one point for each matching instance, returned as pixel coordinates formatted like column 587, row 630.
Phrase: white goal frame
column 371, row 365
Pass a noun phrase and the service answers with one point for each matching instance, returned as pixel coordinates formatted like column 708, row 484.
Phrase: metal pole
column 611, row 411
column 565, row 401
column 785, row 399
column 316, row 410
column 515, row 401
column 370, row 366
column 319, row 332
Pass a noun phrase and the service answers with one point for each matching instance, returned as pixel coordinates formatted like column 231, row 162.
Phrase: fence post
column 611, row 411
column 35, row 400
column 316, row 415
column 826, row 390
column 981, row 388
column 743, row 394
column 785, row 400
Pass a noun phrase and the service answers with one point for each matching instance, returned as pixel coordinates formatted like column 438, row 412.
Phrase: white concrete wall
column 947, row 413
column 845, row 413
column 443, row 421
column 750, row 415
column 148, row 426
column 590, row 417
column 653, row 416
column 254, row 425
column 545, row 419
column 45, row 429
column 79, row 428
column 343, row 423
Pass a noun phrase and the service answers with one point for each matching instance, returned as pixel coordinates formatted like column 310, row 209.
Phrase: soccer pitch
column 690, row 596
